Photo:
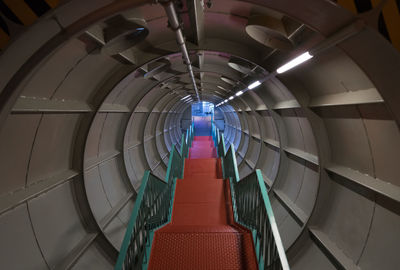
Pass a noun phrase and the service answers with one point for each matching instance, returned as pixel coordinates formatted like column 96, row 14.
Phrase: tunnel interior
column 94, row 94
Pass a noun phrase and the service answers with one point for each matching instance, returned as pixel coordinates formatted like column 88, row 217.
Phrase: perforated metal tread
column 199, row 229
column 203, row 251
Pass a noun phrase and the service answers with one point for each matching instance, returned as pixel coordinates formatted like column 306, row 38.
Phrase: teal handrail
column 152, row 209
column 252, row 209
column 186, row 141
column 212, row 131
column 184, row 146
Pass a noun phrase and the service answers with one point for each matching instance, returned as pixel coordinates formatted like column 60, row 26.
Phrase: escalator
column 202, row 216
column 202, row 233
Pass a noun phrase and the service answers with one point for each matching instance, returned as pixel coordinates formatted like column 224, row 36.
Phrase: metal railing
column 186, row 142
column 252, row 208
column 152, row 209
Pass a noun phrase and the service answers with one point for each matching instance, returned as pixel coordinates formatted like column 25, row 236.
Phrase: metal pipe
column 176, row 27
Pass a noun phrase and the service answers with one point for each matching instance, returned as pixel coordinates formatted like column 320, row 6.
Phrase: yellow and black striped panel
column 389, row 19
column 22, row 12
column 4, row 33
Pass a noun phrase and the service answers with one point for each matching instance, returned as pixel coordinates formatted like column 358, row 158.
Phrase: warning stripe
column 389, row 21
column 22, row 11
column 4, row 38
column 349, row 5
column 52, row 3
column 40, row 7
column 7, row 12
column 391, row 16
column 4, row 26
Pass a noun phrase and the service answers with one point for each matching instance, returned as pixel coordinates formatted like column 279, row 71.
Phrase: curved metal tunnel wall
column 79, row 128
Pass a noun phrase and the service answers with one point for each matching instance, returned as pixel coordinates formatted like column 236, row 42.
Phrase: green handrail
column 191, row 134
column 149, row 212
column 184, row 146
column 252, row 209
column 213, row 132
column 152, row 209
column 186, row 141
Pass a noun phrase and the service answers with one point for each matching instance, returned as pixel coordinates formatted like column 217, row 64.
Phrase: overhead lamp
column 254, row 85
column 295, row 62
column 185, row 97
column 239, row 93
column 230, row 98
column 225, row 100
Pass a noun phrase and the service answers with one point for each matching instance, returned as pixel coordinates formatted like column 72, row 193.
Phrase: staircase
column 202, row 215
column 202, row 233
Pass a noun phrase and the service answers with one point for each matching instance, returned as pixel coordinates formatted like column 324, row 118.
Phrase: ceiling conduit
column 174, row 23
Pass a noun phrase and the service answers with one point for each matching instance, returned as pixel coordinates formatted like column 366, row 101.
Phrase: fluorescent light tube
column 254, row 85
column 239, row 93
column 230, row 98
column 225, row 100
column 295, row 62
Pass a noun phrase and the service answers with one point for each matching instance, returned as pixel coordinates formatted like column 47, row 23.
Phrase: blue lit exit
column 203, row 108
column 203, row 114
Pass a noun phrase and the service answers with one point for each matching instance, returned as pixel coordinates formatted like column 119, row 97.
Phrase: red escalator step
column 195, row 250
column 171, row 228
column 199, row 214
column 192, row 191
column 204, row 167
column 200, row 153
column 202, row 147
column 202, row 138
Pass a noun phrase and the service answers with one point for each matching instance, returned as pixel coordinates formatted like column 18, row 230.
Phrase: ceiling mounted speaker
column 269, row 31
column 228, row 81
column 220, row 87
column 121, row 34
column 240, row 65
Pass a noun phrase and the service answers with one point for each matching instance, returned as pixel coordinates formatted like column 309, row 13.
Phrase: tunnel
column 94, row 93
